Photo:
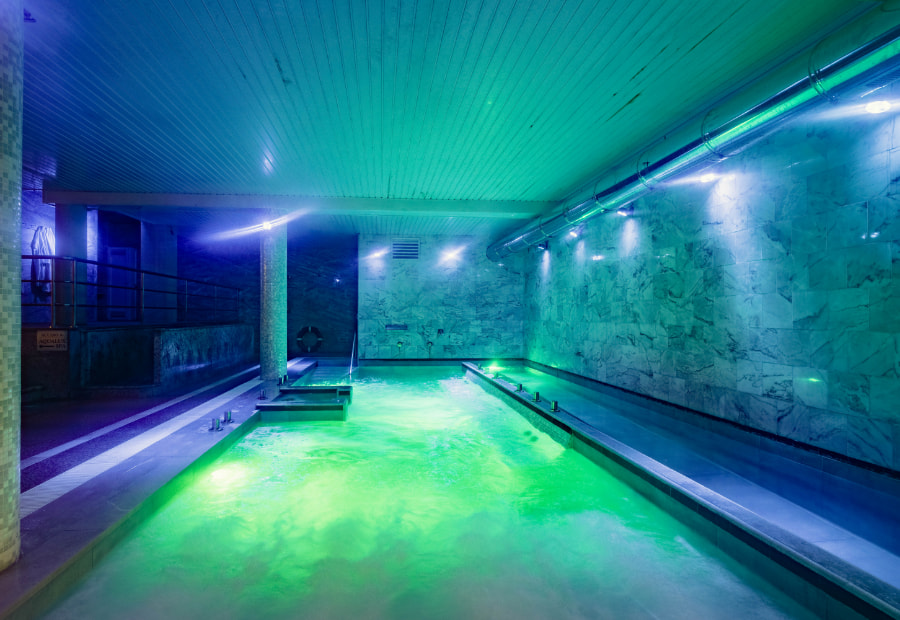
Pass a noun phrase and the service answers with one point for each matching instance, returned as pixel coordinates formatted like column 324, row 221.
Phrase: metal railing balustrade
column 66, row 292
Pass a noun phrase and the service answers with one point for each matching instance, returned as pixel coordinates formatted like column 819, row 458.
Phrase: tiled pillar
column 273, row 303
column 71, row 240
column 11, row 48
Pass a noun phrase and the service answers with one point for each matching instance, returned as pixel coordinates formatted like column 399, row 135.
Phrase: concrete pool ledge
column 827, row 584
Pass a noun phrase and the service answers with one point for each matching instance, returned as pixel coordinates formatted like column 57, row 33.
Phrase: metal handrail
column 352, row 352
column 68, row 303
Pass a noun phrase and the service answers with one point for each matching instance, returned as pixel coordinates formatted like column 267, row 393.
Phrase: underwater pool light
column 878, row 107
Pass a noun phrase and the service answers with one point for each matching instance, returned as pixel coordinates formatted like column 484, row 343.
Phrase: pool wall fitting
column 826, row 584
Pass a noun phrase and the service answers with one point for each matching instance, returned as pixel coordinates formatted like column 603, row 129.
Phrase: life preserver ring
column 309, row 339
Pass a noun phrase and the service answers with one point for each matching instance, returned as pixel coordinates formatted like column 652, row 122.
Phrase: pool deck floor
column 89, row 466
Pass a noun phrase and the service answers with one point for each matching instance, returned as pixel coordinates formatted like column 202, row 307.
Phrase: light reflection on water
column 432, row 500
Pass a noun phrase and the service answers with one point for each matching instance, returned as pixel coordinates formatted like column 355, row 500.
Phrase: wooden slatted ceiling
column 462, row 99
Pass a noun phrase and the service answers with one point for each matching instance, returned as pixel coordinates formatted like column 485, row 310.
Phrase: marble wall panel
column 465, row 307
column 772, row 295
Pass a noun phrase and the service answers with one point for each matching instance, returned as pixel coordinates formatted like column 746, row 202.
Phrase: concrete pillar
column 159, row 254
column 11, row 50
column 71, row 240
column 273, row 303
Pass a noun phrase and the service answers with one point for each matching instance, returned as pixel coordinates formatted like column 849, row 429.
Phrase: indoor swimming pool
column 432, row 500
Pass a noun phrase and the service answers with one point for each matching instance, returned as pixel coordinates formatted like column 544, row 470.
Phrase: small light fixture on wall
column 543, row 245
column 626, row 210
column 878, row 107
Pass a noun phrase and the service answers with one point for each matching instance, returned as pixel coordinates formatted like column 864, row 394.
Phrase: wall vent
column 405, row 248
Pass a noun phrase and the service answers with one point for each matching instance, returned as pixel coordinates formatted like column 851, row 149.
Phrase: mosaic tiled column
column 273, row 303
column 11, row 46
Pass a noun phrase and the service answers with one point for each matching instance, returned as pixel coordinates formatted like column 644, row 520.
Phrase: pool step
column 326, row 375
column 339, row 391
column 307, row 403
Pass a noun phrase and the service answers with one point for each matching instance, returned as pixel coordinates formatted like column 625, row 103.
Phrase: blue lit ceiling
column 507, row 105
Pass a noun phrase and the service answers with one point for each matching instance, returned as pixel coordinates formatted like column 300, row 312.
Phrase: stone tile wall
column 770, row 296
column 476, row 304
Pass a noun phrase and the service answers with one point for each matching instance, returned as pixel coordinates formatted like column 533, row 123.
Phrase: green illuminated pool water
column 433, row 500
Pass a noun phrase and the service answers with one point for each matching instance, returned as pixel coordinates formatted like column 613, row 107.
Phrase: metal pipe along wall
column 861, row 56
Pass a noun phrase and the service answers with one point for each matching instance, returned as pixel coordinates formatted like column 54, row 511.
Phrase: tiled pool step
column 836, row 572
column 307, row 404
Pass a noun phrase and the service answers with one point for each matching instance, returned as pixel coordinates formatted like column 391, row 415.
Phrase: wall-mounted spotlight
column 451, row 255
column 709, row 177
column 267, row 225
column 626, row 210
column 543, row 245
column 878, row 107
column 573, row 233
column 378, row 253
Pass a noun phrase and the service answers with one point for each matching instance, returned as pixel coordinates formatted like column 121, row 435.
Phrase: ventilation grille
column 405, row 248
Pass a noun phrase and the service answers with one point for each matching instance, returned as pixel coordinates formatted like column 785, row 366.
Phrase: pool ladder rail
column 218, row 425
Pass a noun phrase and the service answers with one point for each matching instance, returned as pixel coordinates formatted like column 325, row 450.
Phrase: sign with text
column 52, row 340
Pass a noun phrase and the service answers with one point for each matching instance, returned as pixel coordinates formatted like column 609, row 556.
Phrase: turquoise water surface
column 433, row 500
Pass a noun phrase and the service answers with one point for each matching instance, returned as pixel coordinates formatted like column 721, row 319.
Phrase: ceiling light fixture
column 709, row 177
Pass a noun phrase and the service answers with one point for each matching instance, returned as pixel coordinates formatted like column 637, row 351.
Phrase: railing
column 352, row 352
column 61, row 291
